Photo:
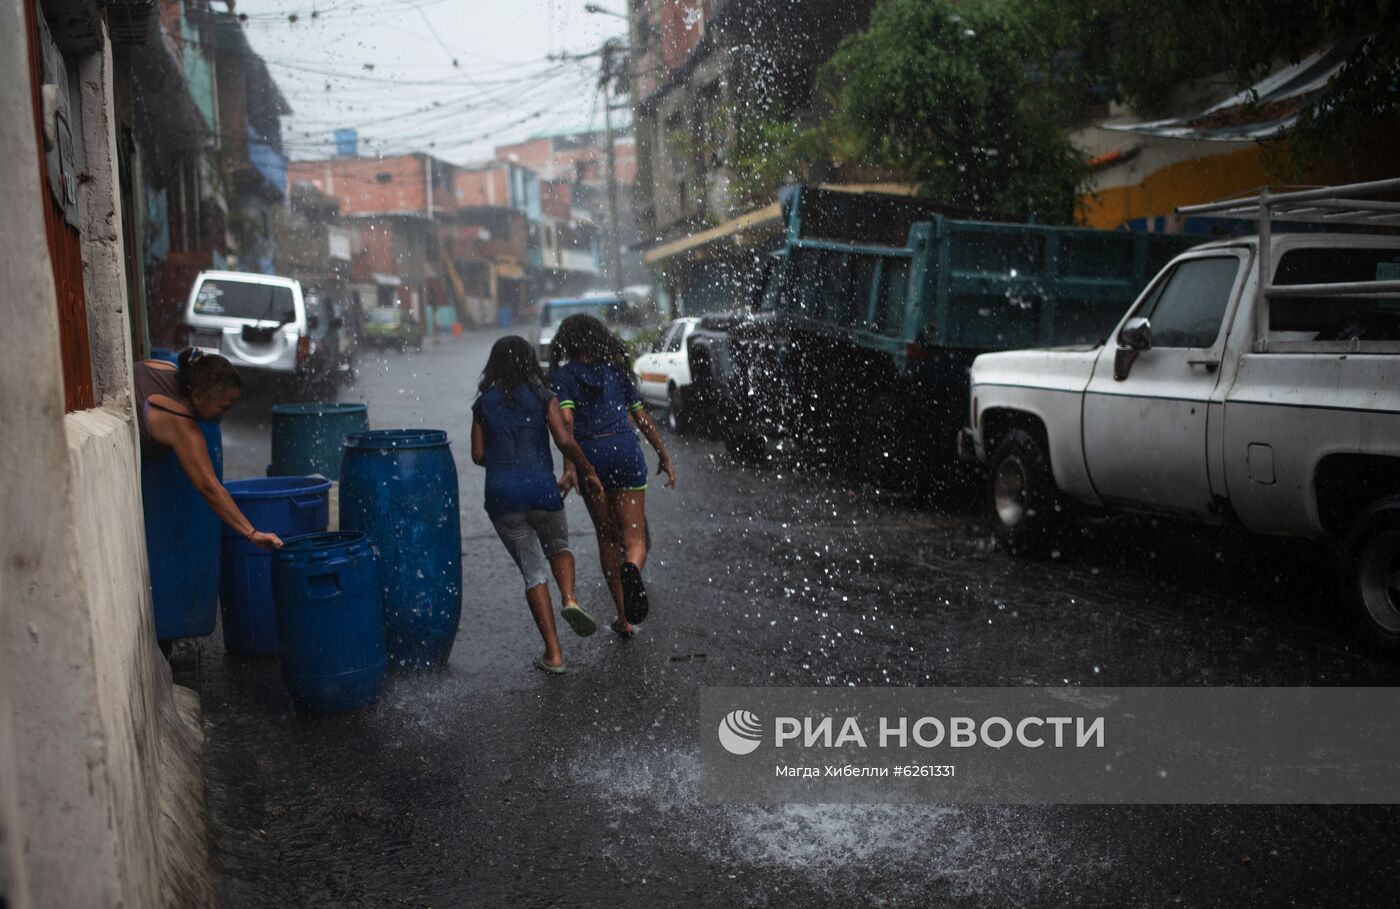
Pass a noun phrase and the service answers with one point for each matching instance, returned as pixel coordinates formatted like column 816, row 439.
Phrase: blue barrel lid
column 317, row 409
column 275, row 487
column 323, row 546
column 397, row 438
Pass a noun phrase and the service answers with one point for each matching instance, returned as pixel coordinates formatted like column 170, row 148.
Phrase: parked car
column 322, row 366
column 663, row 372
column 390, row 326
column 1253, row 383
column 553, row 312
column 259, row 322
column 738, row 368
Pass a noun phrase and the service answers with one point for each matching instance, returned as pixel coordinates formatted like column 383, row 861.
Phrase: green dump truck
column 879, row 304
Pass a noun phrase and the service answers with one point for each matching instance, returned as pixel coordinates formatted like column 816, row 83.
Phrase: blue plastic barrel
column 308, row 438
column 182, row 543
column 330, row 624
column 288, row 507
column 399, row 486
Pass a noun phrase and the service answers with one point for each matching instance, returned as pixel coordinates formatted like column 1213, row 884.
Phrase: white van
column 256, row 321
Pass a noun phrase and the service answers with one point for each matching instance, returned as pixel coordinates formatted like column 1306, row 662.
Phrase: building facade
column 101, row 788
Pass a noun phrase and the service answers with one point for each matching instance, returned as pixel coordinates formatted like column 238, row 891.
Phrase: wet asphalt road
column 492, row 784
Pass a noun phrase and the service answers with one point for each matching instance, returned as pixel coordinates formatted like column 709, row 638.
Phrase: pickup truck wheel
column 1024, row 503
column 1371, row 569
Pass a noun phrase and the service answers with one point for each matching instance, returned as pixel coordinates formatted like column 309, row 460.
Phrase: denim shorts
column 532, row 538
column 619, row 461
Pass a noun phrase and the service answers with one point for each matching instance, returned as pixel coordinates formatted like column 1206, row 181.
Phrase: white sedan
column 663, row 373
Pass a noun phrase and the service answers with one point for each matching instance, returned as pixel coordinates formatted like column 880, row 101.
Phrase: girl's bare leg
column 630, row 517
column 543, row 612
column 609, row 549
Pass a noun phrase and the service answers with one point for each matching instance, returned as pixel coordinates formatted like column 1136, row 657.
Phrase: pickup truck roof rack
column 1353, row 203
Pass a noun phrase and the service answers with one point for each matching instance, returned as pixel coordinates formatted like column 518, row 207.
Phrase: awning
column 1265, row 110
column 735, row 230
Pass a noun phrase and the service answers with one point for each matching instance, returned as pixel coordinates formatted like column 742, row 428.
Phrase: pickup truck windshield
column 245, row 300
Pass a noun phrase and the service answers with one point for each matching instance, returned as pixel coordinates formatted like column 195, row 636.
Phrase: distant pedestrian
column 513, row 418
column 591, row 371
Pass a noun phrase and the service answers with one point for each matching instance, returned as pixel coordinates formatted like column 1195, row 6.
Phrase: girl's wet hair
column 512, row 364
column 206, row 373
column 585, row 336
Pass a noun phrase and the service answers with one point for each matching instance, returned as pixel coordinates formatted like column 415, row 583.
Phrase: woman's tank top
column 149, row 380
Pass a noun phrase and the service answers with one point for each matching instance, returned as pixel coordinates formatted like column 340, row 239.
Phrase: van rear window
column 243, row 300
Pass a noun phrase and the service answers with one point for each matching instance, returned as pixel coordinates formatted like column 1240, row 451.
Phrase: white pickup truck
column 1273, row 406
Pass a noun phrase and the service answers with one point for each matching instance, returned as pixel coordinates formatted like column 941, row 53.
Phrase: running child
column 591, row 371
column 513, row 418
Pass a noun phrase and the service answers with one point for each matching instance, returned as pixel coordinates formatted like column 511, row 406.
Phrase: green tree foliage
column 960, row 95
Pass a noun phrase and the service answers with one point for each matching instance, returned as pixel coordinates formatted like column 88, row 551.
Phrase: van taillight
column 303, row 349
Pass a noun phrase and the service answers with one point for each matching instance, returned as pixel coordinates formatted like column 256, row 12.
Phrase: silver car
column 257, row 321
column 608, row 309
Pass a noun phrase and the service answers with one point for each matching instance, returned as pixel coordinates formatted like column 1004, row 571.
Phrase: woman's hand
column 592, row 485
column 265, row 540
column 568, row 481
column 669, row 469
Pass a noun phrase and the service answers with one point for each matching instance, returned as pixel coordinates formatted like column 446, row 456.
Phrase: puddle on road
column 847, row 852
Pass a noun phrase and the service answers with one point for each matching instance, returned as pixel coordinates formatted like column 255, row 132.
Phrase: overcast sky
column 387, row 68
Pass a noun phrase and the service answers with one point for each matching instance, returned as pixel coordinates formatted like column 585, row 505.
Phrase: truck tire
column 1371, row 570
column 1027, row 511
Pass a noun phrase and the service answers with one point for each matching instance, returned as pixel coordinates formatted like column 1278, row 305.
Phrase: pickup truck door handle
column 1210, row 365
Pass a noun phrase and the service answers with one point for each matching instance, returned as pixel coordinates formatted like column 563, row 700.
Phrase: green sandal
column 581, row 622
column 552, row 670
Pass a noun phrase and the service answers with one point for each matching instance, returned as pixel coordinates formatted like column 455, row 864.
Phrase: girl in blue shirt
column 513, row 418
column 591, row 369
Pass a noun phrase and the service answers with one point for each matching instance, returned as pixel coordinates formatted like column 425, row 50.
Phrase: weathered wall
column 100, row 783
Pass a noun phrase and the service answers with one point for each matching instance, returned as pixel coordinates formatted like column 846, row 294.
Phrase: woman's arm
column 561, row 427
column 478, row 443
column 193, row 454
column 653, row 437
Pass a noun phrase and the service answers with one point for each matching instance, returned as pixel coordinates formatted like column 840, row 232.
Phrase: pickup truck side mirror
column 1135, row 337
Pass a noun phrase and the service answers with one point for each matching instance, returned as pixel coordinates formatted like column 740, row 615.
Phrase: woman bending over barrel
column 169, row 399
column 601, row 404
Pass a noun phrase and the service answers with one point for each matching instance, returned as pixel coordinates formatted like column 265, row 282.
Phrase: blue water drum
column 399, row 486
column 288, row 507
column 330, row 621
column 182, row 543
column 308, row 438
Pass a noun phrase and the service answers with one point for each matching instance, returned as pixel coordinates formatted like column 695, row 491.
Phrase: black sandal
column 625, row 635
column 634, row 594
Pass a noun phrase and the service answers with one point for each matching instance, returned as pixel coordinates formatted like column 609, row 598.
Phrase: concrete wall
column 100, row 779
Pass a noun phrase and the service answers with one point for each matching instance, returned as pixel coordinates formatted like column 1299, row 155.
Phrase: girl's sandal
column 617, row 629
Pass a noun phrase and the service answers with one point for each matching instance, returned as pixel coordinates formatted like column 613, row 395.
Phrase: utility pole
column 614, row 232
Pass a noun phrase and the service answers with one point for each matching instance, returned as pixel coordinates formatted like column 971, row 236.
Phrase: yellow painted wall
column 1199, row 180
